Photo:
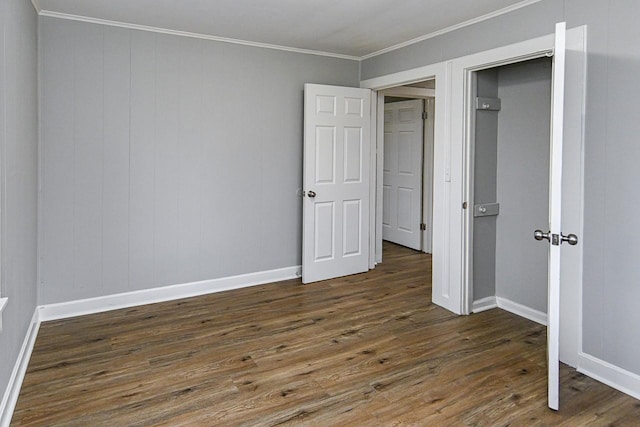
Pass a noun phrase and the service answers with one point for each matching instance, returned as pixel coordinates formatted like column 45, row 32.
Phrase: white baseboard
column 10, row 397
column 521, row 310
column 162, row 294
column 513, row 307
column 618, row 378
column 124, row 300
column 484, row 304
column 612, row 375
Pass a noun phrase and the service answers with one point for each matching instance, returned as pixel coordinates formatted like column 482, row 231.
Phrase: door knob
column 539, row 235
column 571, row 239
column 311, row 194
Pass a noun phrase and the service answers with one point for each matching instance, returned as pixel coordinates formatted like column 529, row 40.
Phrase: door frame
column 469, row 169
column 450, row 283
column 436, row 72
column 426, row 196
column 469, row 195
column 427, row 175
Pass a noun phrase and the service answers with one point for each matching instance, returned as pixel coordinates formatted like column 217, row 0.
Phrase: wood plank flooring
column 364, row 350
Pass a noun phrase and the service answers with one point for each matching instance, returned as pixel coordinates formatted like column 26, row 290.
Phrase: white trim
column 461, row 143
column 410, row 92
column 112, row 302
column 488, row 303
column 583, row 113
column 36, row 6
column 192, row 35
column 400, row 78
column 373, row 180
column 10, row 397
column 41, row 163
column 377, row 165
column 522, row 310
column 165, row 293
column 612, row 375
column 473, row 21
column 440, row 238
column 491, row 15
column 555, row 214
column 441, row 72
column 484, row 304
column 427, row 175
column 3, row 304
column 573, row 199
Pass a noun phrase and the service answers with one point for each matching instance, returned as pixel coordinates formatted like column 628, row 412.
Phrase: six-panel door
column 336, row 182
column 402, row 182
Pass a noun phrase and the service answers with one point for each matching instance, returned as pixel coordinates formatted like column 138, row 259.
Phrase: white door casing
column 402, row 169
column 337, row 127
column 443, row 292
column 427, row 172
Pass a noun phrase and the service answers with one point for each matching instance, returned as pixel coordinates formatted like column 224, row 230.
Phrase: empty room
column 218, row 212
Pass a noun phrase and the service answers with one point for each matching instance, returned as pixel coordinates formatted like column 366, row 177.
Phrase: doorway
column 509, row 187
column 406, row 118
column 402, row 180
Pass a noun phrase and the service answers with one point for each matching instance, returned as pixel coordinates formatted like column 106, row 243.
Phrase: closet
column 510, row 186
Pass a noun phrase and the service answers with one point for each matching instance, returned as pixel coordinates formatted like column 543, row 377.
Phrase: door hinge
column 425, row 115
column 423, row 226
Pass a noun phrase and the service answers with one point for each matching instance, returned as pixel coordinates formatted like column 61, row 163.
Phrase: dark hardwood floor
column 368, row 349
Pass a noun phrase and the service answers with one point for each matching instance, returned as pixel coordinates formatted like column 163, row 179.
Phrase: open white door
column 335, row 236
column 555, row 236
column 402, row 182
column 555, row 218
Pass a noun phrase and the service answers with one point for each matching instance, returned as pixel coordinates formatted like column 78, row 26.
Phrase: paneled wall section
column 19, row 173
column 167, row 159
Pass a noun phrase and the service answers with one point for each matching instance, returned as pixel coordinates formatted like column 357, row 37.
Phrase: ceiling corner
column 36, row 6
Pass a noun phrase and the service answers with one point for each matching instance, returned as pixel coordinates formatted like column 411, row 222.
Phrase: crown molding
column 98, row 21
column 491, row 15
column 36, row 6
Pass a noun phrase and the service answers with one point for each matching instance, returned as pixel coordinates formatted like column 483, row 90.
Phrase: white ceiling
column 344, row 27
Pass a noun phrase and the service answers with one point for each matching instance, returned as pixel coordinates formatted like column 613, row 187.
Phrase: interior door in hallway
column 402, row 182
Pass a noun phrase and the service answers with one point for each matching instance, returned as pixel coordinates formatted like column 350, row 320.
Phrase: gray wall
column 485, row 176
column 18, row 153
column 523, row 182
column 167, row 159
column 611, row 241
column 511, row 167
